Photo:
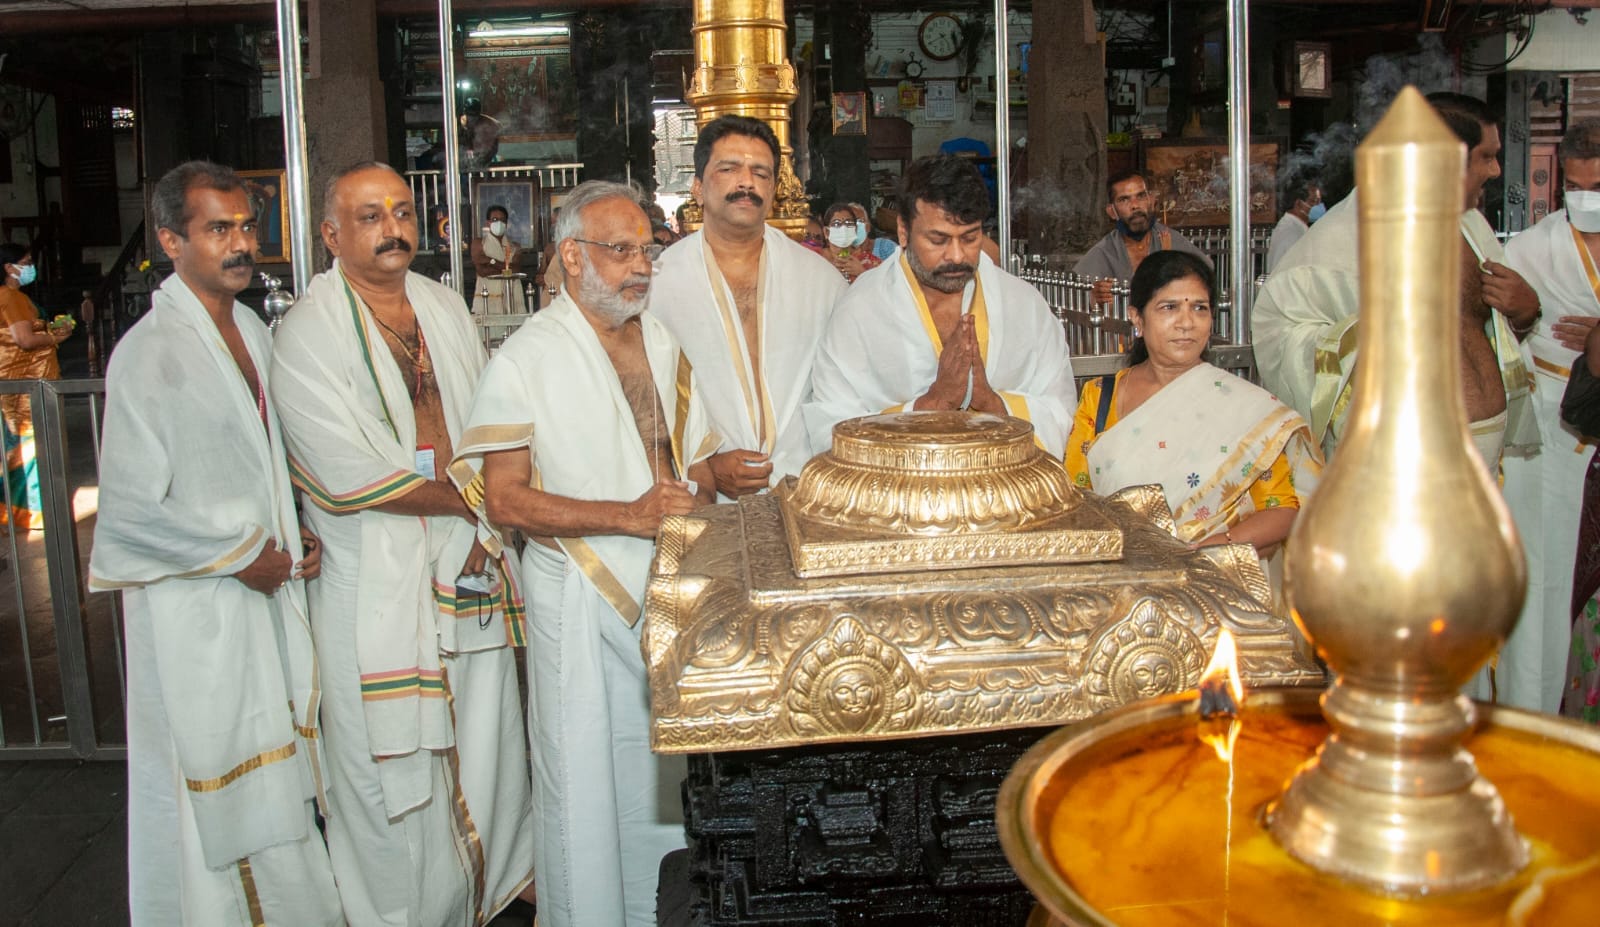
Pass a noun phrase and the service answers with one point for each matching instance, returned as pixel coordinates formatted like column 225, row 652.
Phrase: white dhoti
column 605, row 808
column 1545, row 492
column 429, row 809
column 223, row 691
column 881, row 352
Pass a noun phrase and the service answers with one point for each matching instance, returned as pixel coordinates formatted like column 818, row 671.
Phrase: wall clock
column 940, row 36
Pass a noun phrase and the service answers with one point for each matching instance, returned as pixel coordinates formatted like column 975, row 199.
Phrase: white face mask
column 497, row 228
column 861, row 233
column 1583, row 210
column 841, row 236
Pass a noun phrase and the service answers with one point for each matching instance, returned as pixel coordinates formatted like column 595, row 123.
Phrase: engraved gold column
column 741, row 66
column 1405, row 569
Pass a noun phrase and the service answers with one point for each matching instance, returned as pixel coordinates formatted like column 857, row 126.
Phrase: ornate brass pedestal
column 936, row 573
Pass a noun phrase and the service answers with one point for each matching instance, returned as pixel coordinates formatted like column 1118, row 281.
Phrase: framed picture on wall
column 850, row 113
column 1189, row 180
column 520, row 199
column 267, row 197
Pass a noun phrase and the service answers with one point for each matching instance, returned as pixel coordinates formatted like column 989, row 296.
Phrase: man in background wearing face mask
column 1559, row 257
column 372, row 374
column 1305, row 207
column 494, row 257
column 1130, row 204
column 749, row 306
column 943, row 327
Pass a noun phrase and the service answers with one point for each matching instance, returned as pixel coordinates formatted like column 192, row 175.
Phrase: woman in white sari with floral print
column 1235, row 463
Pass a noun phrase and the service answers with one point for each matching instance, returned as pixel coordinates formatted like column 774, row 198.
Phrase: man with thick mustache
column 373, row 370
column 586, row 431
column 1131, row 206
column 197, row 530
column 749, row 306
column 943, row 327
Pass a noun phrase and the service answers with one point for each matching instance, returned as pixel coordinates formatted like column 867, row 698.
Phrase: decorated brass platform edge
column 852, row 556
column 895, row 658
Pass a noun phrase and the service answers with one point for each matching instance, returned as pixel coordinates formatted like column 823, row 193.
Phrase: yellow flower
column 144, row 265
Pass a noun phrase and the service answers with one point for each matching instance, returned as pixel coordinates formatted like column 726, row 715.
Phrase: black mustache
column 241, row 260
column 953, row 269
column 754, row 198
column 392, row 244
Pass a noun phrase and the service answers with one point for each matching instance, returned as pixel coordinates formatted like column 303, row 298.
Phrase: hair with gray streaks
column 570, row 223
column 1582, row 141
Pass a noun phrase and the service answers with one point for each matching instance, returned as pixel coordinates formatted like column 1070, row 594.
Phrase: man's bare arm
column 511, row 502
column 430, row 498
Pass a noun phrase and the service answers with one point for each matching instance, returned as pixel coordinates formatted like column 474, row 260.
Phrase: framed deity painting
column 1189, row 180
column 268, row 197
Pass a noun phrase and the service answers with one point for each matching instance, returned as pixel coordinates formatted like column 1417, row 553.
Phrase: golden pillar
column 741, row 66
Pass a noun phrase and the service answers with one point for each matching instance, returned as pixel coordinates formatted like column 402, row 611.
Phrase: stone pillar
column 1066, row 130
column 344, row 106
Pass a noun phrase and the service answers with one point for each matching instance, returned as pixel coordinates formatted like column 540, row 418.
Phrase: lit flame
column 1221, row 693
column 1223, row 671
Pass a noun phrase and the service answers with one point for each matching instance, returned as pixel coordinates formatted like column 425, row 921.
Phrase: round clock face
column 940, row 36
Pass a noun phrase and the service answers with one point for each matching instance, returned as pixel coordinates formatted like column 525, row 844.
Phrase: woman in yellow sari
column 27, row 352
column 1234, row 462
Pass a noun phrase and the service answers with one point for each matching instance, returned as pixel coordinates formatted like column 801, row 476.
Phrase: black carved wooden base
column 896, row 833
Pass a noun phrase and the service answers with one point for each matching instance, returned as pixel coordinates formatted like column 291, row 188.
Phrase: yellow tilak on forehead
column 388, row 202
column 238, row 217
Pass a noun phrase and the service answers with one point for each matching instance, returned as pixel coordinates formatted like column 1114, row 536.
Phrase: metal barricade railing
column 1099, row 332
column 62, row 675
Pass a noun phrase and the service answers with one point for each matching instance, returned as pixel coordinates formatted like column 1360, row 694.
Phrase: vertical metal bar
column 290, row 71
column 452, row 144
column 1239, row 163
column 1002, row 131
column 61, row 547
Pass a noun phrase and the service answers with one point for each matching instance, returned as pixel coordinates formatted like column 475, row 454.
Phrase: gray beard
column 929, row 279
column 610, row 305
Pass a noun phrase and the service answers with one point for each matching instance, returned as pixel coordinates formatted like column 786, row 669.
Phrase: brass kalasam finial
column 1404, row 570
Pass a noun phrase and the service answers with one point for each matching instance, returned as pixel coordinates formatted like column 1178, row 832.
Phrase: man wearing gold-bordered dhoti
column 586, row 431
column 749, row 307
column 1560, row 257
column 374, row 368
column 943, row 327
column 197, row 529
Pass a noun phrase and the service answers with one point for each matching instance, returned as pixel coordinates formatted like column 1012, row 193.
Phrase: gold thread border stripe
column 256, row 762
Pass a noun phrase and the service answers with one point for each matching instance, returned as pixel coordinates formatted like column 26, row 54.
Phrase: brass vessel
column 953, row 583
column 1404, row 570
column 741, row 66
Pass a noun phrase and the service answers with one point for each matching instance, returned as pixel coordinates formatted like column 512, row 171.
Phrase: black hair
column 1123, row 176
column 949, row 182
column 339, row 176
column 1466, row 116
column 169, row 202
column 503, row 211
column 722, row 127
column 1582, row 141
column 12, row 253
column 1154, row 273
column 836, row 208
column 1297, row 185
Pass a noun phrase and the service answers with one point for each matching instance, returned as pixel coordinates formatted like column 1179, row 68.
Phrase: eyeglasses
column 623, row 253
column 842, row 224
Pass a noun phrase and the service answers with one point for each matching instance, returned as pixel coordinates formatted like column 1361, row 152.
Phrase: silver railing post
column 1002, row 131
column 452, row 144
column 298, row 174
column 66, row 575
column 1239, row 164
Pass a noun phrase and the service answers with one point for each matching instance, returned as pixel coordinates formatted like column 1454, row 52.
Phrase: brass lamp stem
column 1404, row 570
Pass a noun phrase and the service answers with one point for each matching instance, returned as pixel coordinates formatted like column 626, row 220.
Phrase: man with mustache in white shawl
column 1560, row 257
column 373, row 370
column 197, row 529
column 943, row 327
column 749, row 306
column 586, row 431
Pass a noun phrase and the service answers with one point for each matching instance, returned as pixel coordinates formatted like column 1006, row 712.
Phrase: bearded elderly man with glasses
column 586, row 431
